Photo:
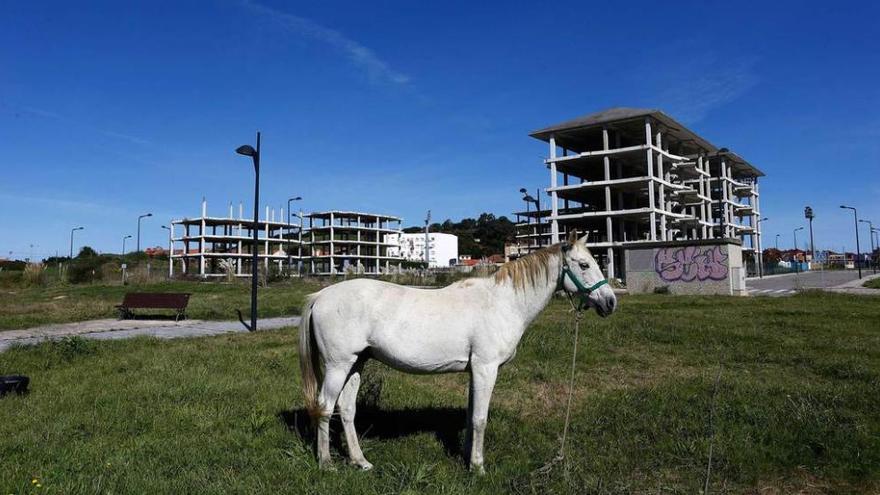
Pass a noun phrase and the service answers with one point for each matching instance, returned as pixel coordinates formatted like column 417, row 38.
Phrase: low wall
column 709, row 266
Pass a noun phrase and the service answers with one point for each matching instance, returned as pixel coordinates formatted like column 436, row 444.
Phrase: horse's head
column 581, row 275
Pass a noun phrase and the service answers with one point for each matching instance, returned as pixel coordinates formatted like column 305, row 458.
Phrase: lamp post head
column 166, row 227
column 799, row 228
column 246, row 150
column 127, row 237
column 298, row 198
column 79, row 228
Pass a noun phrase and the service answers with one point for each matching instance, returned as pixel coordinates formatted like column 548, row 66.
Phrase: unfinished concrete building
column 209, row 246
column 352, row 242
column 629, row 176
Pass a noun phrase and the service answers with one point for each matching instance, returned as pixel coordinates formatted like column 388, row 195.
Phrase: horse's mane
column 525, row 272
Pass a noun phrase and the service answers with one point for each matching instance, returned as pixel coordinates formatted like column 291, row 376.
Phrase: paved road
column 126, row 329
column 786, row 285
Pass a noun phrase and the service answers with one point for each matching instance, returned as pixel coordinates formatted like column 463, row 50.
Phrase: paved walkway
column 125, row 329
column 844, row 281
column 856, row 287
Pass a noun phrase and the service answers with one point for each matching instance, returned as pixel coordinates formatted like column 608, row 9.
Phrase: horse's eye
column 584, row 266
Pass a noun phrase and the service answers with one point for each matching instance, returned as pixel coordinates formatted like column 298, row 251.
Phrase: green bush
column 88, row 269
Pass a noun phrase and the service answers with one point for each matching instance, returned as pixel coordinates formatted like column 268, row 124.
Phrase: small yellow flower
column 108, row 464
column 34, row 481
column 39, row 485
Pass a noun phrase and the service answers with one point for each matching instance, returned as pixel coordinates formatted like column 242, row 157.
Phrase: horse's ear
column 572, row 237
column 583, row 240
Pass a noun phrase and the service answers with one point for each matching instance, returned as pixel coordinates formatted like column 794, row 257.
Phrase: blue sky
column 113, row 109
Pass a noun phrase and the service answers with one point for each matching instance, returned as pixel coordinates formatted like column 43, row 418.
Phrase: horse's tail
column 309, row 359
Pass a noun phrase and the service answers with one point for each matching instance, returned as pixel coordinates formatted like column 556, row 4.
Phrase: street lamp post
column 858, row 249
column 871, row 235
column 139, row 230
column 289, row 214
column 71, row 239
column 248, row 150
column 139, row 241
column 123, row 258
column 777, row 242
column 795, row 248
column 170, row 251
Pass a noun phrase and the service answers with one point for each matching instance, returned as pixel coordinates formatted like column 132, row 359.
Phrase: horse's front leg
column 482, row 384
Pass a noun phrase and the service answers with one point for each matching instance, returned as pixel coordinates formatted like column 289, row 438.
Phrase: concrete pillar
column 266, row 242
column 378, row 248
column 554, row 199
column 332, row 250
column 650, row 166
column 171, row 250
column 725, row 206
column 662, row 188
column 202, row 233
column 703, row 192
column 760, row 253
column 609, row 232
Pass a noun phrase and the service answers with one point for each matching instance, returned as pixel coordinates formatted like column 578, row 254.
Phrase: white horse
column 473, row 325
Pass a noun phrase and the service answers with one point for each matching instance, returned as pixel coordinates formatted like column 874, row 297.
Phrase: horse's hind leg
column 347, row 406
column 335, row 376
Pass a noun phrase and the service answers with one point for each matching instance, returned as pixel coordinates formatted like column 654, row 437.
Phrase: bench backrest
column 175, row 300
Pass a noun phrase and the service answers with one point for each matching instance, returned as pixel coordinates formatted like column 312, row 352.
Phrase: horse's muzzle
column 605, row 303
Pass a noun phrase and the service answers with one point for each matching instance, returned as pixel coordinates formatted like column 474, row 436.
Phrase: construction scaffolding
column 627, row 176
column 352, row 242
column 223, row 246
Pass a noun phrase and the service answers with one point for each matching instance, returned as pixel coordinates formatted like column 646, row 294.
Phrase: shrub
column 34, row 275
column 88, row 269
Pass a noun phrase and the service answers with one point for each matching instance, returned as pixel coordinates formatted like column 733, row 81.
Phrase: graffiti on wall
column 691, row 263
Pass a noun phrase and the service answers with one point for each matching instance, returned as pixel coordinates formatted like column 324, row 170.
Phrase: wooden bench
column 154, row 300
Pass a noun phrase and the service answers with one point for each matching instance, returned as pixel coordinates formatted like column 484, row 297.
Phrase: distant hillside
column 484, row 236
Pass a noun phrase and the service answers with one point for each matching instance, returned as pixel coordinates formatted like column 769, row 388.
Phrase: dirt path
column 111, row 329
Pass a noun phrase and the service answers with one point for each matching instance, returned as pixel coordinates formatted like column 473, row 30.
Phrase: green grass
column 874, row 283
column 32, row 306
column 795, row 410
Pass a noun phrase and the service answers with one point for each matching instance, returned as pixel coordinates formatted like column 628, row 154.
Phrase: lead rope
column 560, row 456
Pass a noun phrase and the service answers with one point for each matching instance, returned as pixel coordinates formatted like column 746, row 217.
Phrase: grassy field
column 32, row 306
column 795, row 409
column 874, row 283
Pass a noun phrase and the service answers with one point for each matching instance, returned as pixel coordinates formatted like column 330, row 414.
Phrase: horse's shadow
column 445, row 422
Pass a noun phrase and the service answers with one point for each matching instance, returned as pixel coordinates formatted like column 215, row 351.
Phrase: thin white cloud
column 54, row 202
column 48, row 114
column 693, row 88
column 376, row 69
column 125, row 137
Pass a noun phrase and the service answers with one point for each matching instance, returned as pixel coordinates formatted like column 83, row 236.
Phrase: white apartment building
column 443, row 248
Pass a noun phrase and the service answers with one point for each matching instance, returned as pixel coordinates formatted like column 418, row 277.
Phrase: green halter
column 582, row 289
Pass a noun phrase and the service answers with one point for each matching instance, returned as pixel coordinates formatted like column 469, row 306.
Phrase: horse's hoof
column 363, row 464
column 326, row 466
column 478, row 470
